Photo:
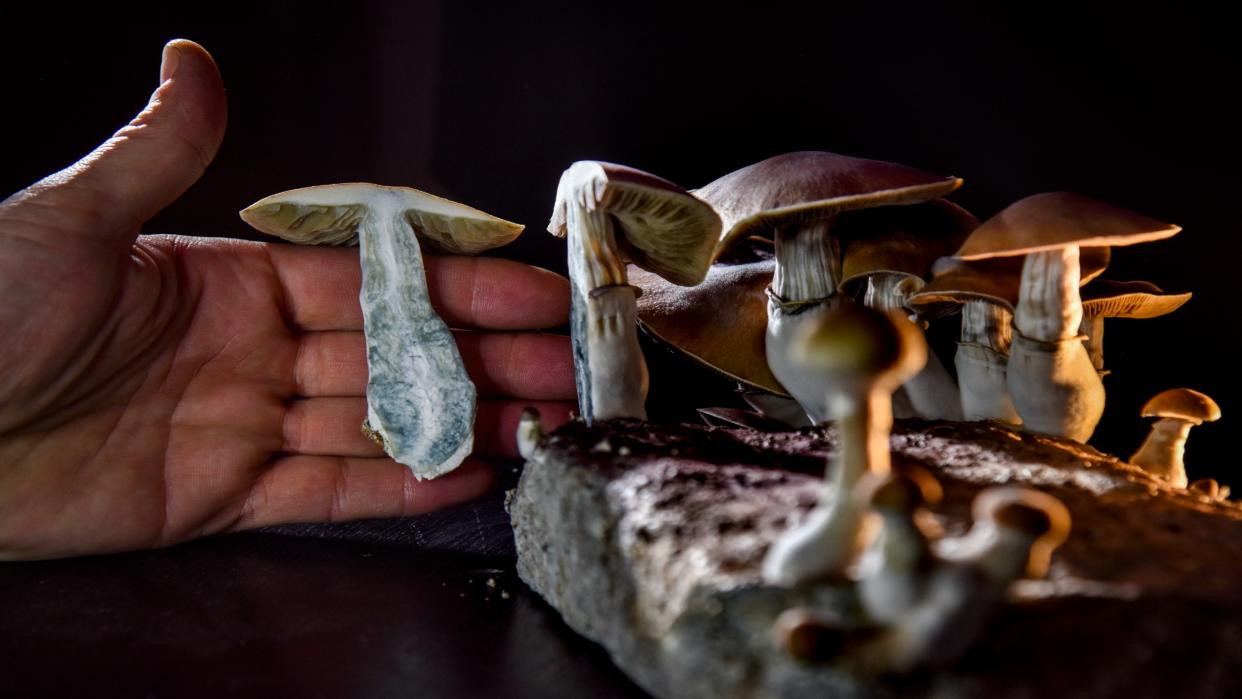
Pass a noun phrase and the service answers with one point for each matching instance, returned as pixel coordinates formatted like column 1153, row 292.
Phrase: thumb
column 147, row 164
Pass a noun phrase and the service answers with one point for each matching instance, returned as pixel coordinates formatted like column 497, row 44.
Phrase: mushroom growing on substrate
column 861, row 355
column 420, row 401
column 1109, row 299
column 612, row 214
column 1051, row 379
column 985, row 292
column 1178, row 409
column 796, row 198
column 894, row 570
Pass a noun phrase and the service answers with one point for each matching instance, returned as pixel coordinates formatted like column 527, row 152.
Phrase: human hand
column 160, row 388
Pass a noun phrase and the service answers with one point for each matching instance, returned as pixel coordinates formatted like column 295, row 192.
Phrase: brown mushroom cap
column 1059, row 219
column 1182, row 404
column 856, row 341
column 1028, row 511
column 330, row 215
column 812, row 185
column 994, row 280
column 906, row 490
column 1110, row 299
column 720, row 323
column 899, row 239
column 662, row 227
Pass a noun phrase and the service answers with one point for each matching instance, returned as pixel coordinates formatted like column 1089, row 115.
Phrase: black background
column 488, row 102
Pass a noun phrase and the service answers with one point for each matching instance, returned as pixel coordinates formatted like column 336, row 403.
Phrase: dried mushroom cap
column 330, row 215
column 1182, row 404
column 719, row 323
column 995, row 280
column 1110, row 299
column 1058, row 219
column 899, row 239
column 662, row 227
column 812, row 185
column 854, row 340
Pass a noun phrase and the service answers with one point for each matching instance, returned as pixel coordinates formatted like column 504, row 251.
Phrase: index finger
column 320, row 288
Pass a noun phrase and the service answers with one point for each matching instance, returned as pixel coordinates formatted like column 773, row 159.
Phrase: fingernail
column 169, row 61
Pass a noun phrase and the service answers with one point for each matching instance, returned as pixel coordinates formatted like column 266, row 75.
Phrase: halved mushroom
column 985, row 292
column 857, row 356
column 420, row 402
column 612, row 214
column 1051, row 380
column 1179, row 409
column 1109, row 299
column 796, row 198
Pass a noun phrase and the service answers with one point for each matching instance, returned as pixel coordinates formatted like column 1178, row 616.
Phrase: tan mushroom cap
column 1182, row 404
column 995, row 280
column 1058, row 219
column 662, row 227
column 1111, row 299
column 1031, row 512
column 853, row 341
column 813, row 185
column 905, row 490
column 331, row 214
column 721, row 323
column 899, row 239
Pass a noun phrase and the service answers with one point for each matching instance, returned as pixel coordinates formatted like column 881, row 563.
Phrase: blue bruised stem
column 420, row 401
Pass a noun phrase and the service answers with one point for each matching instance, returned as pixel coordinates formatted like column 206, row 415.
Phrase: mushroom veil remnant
column 420, row 402
column 612, row 214
column 1178, row 409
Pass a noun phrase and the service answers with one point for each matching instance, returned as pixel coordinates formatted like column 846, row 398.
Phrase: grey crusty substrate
column 648, row 539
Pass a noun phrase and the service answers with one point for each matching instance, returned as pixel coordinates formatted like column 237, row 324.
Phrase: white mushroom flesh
column 808, row 262
column 1162, row 452
column 982, row 363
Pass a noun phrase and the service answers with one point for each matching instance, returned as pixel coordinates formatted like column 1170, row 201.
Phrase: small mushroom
column 529, row 432
column 1178, row 409
column 858, row 356
column 1109, row 299
column 796, row 198
column 893, row 571
column 1051, row 380
column 612, row 214
column 420, row 401
column 985, row 292
column 1209, row 488
column 1013, row 536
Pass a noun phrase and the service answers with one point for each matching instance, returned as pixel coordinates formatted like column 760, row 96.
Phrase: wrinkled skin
column 160, row 388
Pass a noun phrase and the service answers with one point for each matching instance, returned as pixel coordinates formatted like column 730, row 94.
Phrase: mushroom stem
column 609, row 368
column 1162, row 452
column 982, row 363
column 1054, row 386
column 808, row 262
column 1093, row 329
column 407, row 341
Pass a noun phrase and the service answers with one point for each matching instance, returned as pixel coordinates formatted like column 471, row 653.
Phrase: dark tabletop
column 307, row 616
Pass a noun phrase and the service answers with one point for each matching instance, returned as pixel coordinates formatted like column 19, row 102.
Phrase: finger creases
column 321, row 287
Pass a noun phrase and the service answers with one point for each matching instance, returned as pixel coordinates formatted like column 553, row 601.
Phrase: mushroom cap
column 1111, row 299
column 721, row 323
column 660, row 226
column 899, row 239
column 1027, row 511
column 994, row 280
column 1058, row 219
column 1182, row 404
column 812, row 185
column 906, row 490
column 856, row 342
column 330, row 215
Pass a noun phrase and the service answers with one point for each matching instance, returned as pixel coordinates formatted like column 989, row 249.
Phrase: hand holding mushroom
column 188, row 386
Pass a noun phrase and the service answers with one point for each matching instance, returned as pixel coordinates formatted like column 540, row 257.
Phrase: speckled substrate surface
column 648, row 540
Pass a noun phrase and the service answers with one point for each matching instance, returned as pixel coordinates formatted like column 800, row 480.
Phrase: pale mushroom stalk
column 1163, row 451
column 808, row 262
column 1053, row 384
column 893, row 571
column 982, row 362
column 932, row 393
column 1092, row 331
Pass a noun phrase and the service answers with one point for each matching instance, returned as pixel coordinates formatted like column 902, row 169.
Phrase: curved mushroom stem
column 982, row 362
column 1054, row 385
column 932, row 393
column 608, row 363
column 830, row 538
column 420, row 405
column 1093, row 330
column 1162, row 452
